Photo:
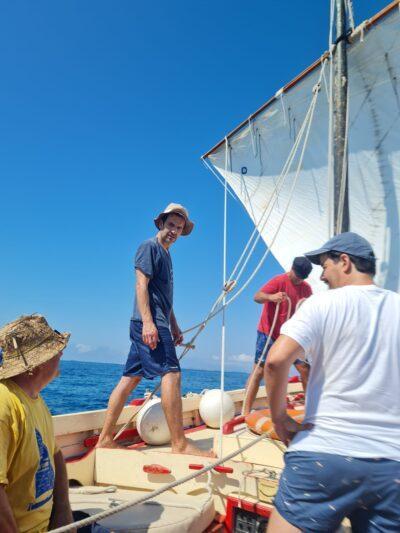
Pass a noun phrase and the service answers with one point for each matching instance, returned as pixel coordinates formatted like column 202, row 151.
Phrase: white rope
column 253, row 140
column 331, row 221
column 307, row 125
column 261, row 262
column 350, row 13
column 117, row 509
column 279, row 94
column 223, row 326
column 272, row 200
column 210, row 168
column 262, row 356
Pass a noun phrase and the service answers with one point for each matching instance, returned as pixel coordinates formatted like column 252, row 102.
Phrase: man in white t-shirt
column 344, row 460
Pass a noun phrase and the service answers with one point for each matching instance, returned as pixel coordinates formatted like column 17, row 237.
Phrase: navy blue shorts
column 260, row 345
column 148, row 363
column 318, row 490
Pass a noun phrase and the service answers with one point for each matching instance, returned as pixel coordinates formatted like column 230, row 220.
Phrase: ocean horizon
column 86, row 386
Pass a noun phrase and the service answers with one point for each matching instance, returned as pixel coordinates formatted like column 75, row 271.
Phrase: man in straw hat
column 154, row 332
column 33, row 478
column 344, row 461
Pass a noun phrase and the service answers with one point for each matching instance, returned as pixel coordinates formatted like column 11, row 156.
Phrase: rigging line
column 350, row 13
column 263, row 258
column 275, row 193
column 274, row 198
column 310, row 113
column 253, row 143
column 331, row 48
column 149, row 496
column 331, row 24
column 261, row 358
column 223, row 326
column 251, row 277
column 210, row 168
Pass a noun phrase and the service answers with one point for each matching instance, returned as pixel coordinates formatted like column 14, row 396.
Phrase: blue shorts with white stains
column 318, row 490
column 148, row 363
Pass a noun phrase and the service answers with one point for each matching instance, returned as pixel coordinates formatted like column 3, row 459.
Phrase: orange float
column 260, row 421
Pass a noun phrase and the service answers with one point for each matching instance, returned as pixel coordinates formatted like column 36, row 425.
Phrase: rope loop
column 317, row 87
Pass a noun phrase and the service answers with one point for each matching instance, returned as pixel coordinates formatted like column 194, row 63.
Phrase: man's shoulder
column 280, row 278
column 9, row 400
column 148, row 243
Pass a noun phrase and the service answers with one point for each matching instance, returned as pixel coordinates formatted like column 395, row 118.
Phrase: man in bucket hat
column 154, row 332
column 289, row 286
column 344, row 461
column 33, row 478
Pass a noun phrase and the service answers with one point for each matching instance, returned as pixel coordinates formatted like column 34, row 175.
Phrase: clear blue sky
column 106, row 108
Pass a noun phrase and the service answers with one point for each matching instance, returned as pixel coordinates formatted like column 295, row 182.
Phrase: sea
column 86, row 386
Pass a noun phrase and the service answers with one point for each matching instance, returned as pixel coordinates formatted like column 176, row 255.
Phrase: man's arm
column 262, row 297
column 61, row 514
column 150, row 332
column 175, row 329
column 281, row 356
column 7, row 520
column 270, row 292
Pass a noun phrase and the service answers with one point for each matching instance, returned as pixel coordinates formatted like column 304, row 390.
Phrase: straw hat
column 27, row 343
column 179, row 210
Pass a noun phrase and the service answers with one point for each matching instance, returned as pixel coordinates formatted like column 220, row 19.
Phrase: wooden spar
column 368, row 25
column 340, row 148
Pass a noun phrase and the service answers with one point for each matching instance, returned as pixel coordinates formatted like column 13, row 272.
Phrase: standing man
column 344, row 461
column 33, row 478
column 279, row 290
column 154, row 332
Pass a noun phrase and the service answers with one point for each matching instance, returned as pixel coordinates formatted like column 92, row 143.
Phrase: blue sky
column 106, row 108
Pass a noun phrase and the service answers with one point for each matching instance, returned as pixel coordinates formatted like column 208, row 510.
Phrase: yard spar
column 252, row 157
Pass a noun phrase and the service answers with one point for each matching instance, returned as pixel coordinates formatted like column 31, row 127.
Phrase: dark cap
column 346, row 243
column 302, row 267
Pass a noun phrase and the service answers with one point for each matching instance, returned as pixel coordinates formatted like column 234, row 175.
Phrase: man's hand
column 150, row 335
column 176, row 335
column 287, row 428
column 277, row 298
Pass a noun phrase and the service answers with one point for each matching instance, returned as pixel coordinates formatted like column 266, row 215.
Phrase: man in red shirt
column 279, row 290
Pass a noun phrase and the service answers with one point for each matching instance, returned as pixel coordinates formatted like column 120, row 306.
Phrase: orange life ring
column 260, row 421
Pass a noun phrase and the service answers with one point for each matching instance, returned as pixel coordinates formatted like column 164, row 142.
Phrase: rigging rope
column 223, row 326
column 306, row 126
column 261, row 358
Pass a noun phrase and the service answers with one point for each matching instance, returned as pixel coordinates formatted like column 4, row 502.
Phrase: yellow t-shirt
column 27, row 447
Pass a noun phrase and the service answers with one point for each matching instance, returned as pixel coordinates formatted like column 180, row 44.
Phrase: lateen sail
column 259, row 150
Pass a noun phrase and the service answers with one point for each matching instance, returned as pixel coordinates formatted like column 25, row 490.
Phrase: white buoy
column 210, row 408
column 152, row 425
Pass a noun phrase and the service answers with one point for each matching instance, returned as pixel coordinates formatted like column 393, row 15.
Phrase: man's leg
column 116, row 403
column 277, row 524
column 252, row 386
column 172, row 405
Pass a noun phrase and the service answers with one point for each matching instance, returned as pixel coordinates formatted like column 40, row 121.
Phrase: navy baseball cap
column 302, row 267
column 346, row 243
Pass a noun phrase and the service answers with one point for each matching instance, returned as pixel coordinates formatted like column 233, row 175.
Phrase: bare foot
column 189, row 448
column 109, row 443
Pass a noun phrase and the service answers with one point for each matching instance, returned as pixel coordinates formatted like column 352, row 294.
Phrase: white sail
column 259, row 149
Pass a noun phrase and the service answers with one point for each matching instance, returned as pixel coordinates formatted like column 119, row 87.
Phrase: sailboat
column 319, row 157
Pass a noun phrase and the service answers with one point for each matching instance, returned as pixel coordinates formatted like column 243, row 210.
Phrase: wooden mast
column 340, row 167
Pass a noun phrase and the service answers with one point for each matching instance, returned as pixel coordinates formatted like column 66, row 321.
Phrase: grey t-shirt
column 155, row 262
